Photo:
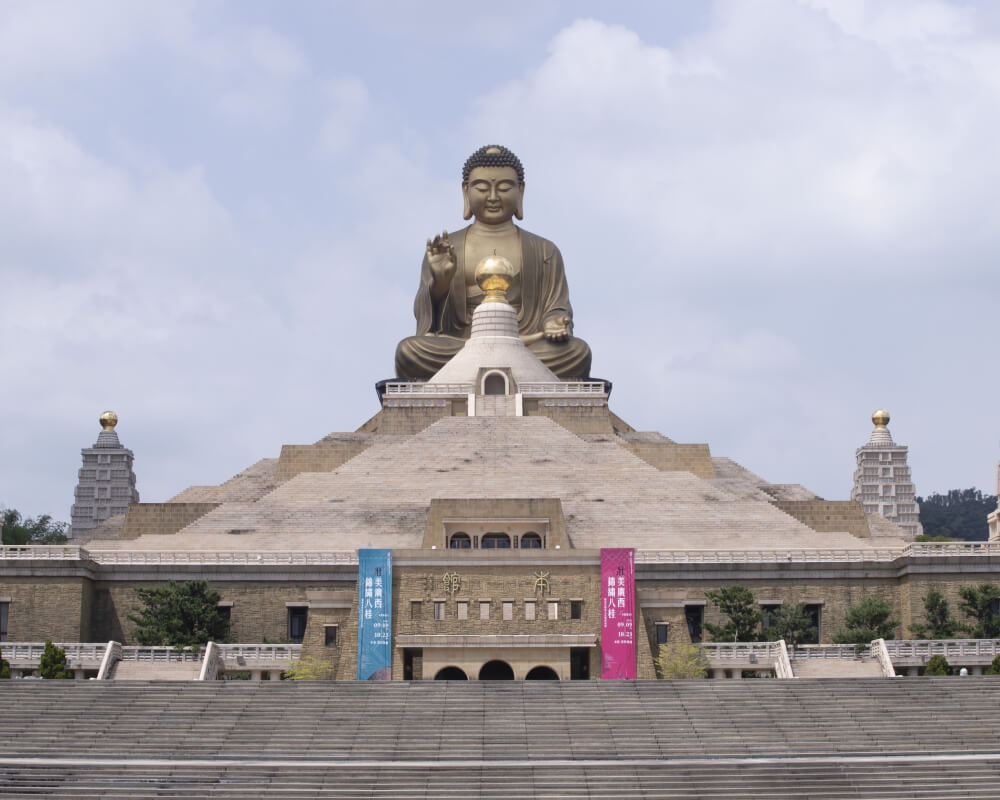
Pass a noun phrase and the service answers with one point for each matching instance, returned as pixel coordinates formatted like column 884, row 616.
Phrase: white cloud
column 347, row 106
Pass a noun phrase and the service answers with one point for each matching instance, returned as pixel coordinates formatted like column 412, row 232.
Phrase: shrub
column 4, row 669
column 937, row 665
column 53, row 663
column 310, row 668
column 994, row 667
column 179, row 615
column 679, row 660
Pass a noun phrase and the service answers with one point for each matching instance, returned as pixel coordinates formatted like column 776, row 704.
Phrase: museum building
column 495, row 518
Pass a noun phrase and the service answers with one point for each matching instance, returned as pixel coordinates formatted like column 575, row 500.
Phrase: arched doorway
column 495, row 383
column 496, row 671
column 451, row 674
column 542, row 674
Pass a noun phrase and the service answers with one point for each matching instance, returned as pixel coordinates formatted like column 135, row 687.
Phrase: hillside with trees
column 959, row 514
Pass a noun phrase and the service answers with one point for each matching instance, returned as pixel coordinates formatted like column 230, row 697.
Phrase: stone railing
column 112, row 655
column 211, row 664
column 350, row 557
column 801, row 651
column 240, row 656
column 783, row 664
column 595, row 388
column 915, row 652
column 420, row 388
column 160, row 655
column 42, row 551
column 762, row 556
column 728, row 653
column 28, row 655
column 881, row 654
column 269, row 557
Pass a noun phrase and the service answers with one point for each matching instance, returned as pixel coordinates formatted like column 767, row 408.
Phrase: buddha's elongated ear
column 467, row 210
column 519, row 210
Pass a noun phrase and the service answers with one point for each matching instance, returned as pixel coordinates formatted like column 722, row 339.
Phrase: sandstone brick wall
column 161, row 518
column 578, row 419
column 322, row 457
column 47, row 608
column 828, row 516
column 408, row 421
column 672, row 457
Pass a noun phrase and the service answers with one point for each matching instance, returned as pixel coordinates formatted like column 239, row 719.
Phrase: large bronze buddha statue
column 493, row 187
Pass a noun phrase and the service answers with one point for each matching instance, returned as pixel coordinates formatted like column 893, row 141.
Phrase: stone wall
column 48, row 608
column 577, row 419
column 829, row 516
column 161, row 518
column 321, row 457
column 672, row 457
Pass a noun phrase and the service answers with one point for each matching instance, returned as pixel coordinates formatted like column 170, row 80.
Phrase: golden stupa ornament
column 881, row 418
column 495, row 274
column 108, row 420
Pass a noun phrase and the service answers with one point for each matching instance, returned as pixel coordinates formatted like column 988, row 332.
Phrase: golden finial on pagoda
column 881, row 418
column 495, row 274
column 108, row 420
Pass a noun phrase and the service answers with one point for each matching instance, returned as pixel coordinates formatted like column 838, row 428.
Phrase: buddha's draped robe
column 538, row 293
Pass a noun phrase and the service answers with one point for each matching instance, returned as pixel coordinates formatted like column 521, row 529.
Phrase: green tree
column 982, row 605
column 738, row 604
column 870, row 619
column 53, row 663
column 959, row 514
column 4, row 669
column 940, row 624
column 794, row 624
column 18, row 530
column 678, row 660
column 994, row 667
column 937, row 665
column 179, row 614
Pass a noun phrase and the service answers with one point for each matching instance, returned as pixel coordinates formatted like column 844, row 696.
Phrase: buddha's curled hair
column 493, row 155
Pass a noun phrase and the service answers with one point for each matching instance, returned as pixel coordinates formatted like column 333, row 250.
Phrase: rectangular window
column 694, row 616
column 576, row 609
column 529, row 609
column 661, row 632
column 814, row 610
column 330, row 635
column 3, row 621
column 484, row 609
column 463, row 609
column 553, row 609
column 226, row 612
column 769, row 609
column 508, row 610
column 415, row 608
column 297, row 617
column 438, row 609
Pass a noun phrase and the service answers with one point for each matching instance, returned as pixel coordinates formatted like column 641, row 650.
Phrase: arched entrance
column 496, row 671
column 451, row 674
column 542, row 674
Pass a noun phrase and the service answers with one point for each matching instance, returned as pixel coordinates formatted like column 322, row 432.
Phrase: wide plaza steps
column 156, row 671
column 836, row 668
column 916, row 738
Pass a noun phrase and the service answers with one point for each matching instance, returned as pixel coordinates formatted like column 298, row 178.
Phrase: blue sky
column 776, row 217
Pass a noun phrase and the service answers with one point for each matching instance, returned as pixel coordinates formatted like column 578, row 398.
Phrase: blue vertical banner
column 374, row 615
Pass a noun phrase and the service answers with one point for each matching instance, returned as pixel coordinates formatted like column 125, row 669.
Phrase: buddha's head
column 493, row 185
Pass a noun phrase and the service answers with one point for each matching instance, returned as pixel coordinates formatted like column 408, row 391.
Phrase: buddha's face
column 493, row 194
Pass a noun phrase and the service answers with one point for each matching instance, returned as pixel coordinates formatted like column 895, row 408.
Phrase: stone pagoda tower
column 882, row 480
column 107, row 480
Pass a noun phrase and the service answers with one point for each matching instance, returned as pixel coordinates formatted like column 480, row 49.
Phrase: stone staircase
column 920, row 738
column 156, row 671
column 380, row 496
column 836, row 668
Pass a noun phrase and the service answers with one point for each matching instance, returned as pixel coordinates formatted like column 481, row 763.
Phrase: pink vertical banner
column 618, row 614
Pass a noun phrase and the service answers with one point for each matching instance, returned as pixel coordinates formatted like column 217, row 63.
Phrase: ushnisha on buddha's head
column 493, row 185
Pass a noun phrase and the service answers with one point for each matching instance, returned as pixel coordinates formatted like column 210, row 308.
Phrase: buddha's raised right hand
column 442, row 261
